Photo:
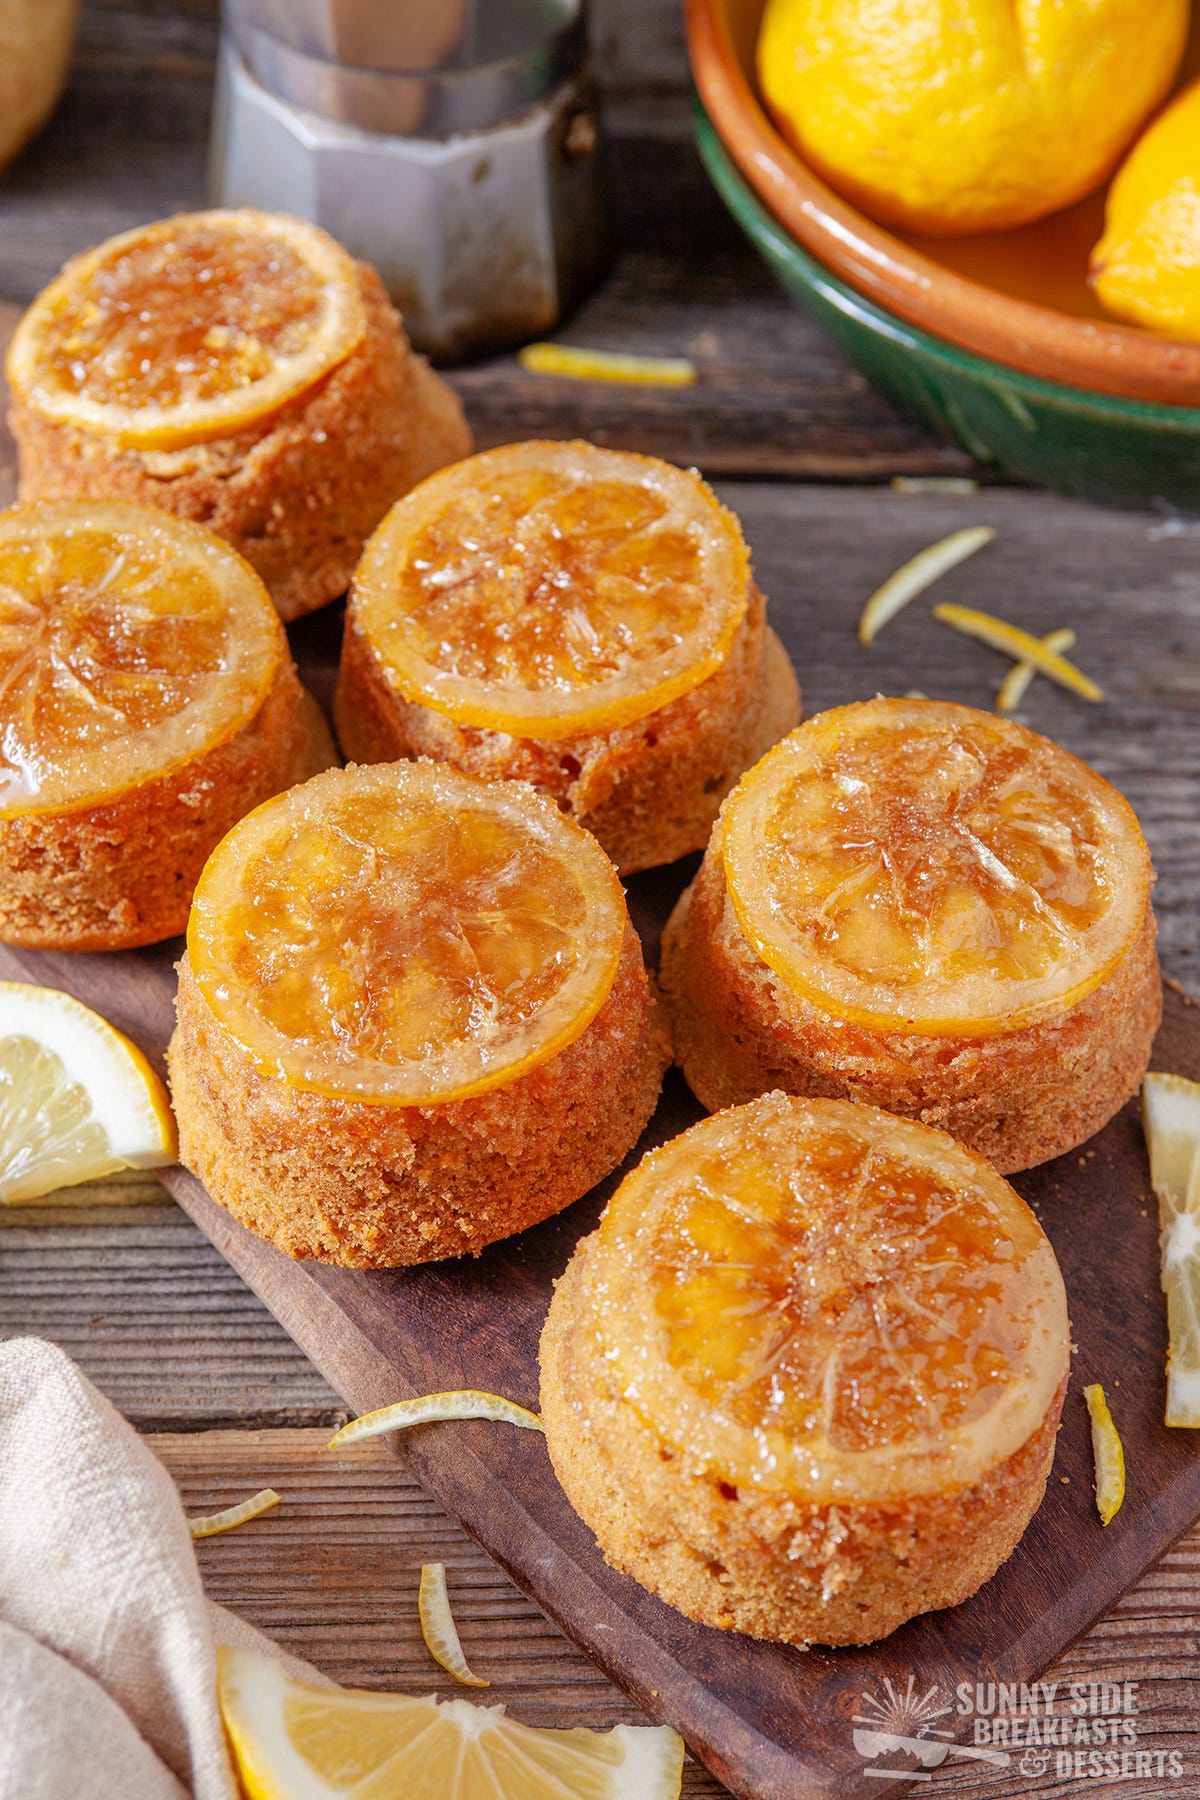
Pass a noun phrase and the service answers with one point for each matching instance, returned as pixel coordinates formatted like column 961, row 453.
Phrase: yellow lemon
column 1146, row 267
column 951, row 116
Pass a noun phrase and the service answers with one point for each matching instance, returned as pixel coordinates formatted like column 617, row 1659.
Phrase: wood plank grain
column 331, row 1574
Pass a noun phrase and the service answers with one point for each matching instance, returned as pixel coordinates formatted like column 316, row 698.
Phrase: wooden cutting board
column 773, row 1723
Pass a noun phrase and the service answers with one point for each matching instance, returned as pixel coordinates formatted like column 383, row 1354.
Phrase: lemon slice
column 213, row 1524
column 428, row 1409
column 188, row 329
column 405, row 934
column 77, row 1100
column 130, row 642
column 1109, row 1455
column 1171, row 1114
column 547, row 589
column 438, row 1627
column 821, row 1299
column 293, row 1740
column 919, row 866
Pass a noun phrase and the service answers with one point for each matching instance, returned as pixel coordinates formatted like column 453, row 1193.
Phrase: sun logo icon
column 904, row 1720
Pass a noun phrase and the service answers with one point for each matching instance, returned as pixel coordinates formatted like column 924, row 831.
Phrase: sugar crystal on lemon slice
column 405, row 934
column 188, row 329
column 78, row 1101
column 293, row 1740
column 1171, row 1114
column 913, row 865
column 130, row 643
column 548, row 589
column 819, row 1298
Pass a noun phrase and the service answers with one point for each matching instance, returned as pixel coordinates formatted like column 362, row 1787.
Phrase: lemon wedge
column 428, row 1409
column 77, row 1100
column 293, row 1740
column 438, row 1627
column 214, row 1523
column 1108, row 1452
column 1171, row 1115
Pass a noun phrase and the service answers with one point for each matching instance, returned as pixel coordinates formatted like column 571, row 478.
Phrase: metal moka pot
column 451, row 143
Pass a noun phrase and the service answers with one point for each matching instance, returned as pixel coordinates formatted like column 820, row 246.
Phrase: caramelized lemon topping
column 406, row 934
column 129, row 643
column 819, row 1296
column 919, row 866
column 546, row 589
column 188, row 329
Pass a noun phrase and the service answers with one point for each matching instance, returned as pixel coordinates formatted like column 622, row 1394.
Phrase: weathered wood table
column 810, row 458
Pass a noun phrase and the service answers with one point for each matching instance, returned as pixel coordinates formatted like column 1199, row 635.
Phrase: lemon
column 950, row 118
column 1146, row 267
column 77, row 1100
column 1171, row 1114
column 293, row 1740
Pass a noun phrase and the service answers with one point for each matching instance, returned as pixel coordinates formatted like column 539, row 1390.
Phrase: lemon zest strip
column 1016, row 683
column 438, row 1627
column 918, row 573
column 214, row 1523
column 428, row 1409
column 1108, row 1452
column 1011, row 640
column 607, row 365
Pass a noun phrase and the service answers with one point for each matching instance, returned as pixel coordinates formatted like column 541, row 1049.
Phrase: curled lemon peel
column 439, row 1629
column 214, row 1523
column 918, row 573
column 1108, row 1452
column 429, row 1409
column 1011, row 640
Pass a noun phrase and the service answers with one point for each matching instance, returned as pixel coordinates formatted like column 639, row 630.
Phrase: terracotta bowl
column 1018, row 298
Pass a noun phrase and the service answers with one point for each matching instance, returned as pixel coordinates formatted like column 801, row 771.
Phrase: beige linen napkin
column 107, row 1642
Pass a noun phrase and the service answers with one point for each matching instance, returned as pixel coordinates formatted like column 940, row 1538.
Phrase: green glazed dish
column 1119, row 452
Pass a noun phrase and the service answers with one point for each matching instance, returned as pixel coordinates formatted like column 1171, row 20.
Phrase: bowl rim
column 771, row 239
column 1036, row 341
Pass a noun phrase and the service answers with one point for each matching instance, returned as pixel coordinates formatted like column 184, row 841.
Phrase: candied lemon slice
column 77, row 1100
column 404, row 933
column 816, row 1296
column 130, row 642
column 293, row 1740
column 438, row 1627
column 919, row 866
column 546, row 589
column 188, row 329
column 1171, row 1114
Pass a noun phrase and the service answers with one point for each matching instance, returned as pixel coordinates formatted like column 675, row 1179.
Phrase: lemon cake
column 147, row 700
column 804, row 1380
column 582, row 619
column 240, row 370
column 413, row 1017
column 929, row 909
